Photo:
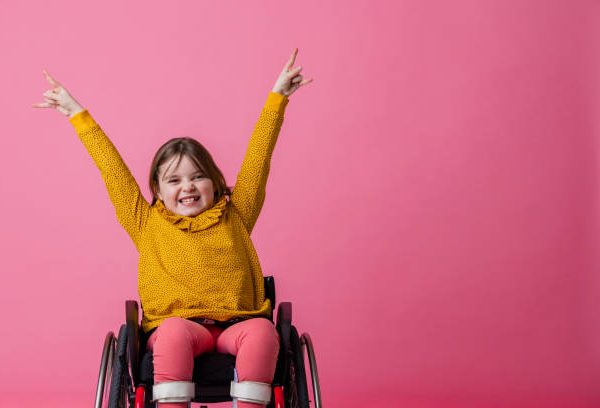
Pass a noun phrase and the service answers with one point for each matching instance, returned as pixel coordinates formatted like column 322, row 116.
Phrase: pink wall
column 433, row 206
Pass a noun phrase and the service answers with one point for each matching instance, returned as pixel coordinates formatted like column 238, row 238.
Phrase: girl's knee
column 265, row 332
column 173, row 326
column 178, row 332
column 257, row 357
column 173, row 332
column 172, row 323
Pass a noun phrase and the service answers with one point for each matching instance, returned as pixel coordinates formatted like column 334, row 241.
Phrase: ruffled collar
column 202, row 221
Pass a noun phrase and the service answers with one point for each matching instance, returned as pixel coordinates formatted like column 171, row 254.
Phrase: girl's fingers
column 43, row 105
column 52, row 100
column 50, row 79
column 48, row 103
column 294, row 71
column 291, row 61
column 297, row 85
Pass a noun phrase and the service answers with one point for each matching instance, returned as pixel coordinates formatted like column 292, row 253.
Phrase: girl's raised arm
column 131, row 207
column 249, row 192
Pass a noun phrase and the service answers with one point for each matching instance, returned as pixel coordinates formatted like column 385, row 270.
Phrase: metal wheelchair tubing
column 108, row 353
column 109, row 369
column 308, row 346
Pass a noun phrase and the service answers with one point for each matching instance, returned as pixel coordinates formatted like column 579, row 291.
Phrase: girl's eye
column 173, row 181
column 198, row 177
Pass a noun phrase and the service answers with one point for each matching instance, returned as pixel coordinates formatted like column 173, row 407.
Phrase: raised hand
column 290, row 79
column 59, row 98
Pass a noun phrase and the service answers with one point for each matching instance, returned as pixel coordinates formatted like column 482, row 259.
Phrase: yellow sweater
column 205, row 266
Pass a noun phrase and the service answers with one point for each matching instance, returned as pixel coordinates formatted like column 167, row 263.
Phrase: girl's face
column 183, row 188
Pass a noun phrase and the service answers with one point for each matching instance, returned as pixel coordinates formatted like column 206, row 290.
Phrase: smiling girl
column 199, row 278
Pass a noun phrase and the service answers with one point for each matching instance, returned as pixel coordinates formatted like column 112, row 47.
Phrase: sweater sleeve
column 248, row 193
column 131, row 207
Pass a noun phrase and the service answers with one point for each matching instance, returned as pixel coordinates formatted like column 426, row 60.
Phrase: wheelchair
column 126, row 378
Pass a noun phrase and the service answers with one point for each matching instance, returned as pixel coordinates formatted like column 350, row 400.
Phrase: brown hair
column 191, row 148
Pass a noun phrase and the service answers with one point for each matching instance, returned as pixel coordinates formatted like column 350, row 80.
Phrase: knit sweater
column 193, row 267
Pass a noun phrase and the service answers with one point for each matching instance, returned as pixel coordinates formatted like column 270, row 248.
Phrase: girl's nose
column 190, row 186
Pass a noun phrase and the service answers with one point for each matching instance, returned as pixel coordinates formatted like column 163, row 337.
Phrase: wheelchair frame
column 119, row 383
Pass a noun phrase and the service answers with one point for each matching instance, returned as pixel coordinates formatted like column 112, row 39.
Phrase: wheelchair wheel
column 307, row 346
column 120, row 381
column 295, row 389
column 104, row 377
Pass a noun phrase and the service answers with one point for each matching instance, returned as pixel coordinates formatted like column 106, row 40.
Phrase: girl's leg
column 174, row 344
column 255, row 343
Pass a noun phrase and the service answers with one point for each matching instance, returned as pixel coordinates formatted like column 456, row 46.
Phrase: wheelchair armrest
column 133, row 337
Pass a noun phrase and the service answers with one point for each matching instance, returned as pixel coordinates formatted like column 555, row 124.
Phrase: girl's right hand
column 59, row 98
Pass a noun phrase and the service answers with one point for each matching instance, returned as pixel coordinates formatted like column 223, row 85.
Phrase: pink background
column 433, row 210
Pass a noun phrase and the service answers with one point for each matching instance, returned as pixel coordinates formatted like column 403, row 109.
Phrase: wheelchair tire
column 119, row 397
column 104, row 377
column 295, row 388
column 308, row 347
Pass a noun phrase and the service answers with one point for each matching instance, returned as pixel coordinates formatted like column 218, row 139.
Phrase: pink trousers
column 176, row 342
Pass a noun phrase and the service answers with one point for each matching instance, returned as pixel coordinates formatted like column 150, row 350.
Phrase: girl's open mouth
column 189, row 200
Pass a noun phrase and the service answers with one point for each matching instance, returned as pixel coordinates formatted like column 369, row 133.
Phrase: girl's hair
column 186, row 146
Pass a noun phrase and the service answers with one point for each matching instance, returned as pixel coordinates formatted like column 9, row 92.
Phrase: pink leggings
column 176, row 342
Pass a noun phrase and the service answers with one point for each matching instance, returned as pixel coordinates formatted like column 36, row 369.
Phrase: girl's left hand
column 59, row 98
column 290, row 79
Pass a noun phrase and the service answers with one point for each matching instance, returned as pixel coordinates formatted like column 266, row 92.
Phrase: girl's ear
column 158, row 196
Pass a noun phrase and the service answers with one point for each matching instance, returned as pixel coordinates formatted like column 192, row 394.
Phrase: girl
column 197, row 265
